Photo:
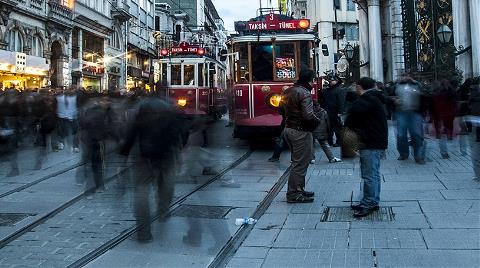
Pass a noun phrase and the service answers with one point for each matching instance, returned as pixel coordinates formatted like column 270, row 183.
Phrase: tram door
column 211, row 82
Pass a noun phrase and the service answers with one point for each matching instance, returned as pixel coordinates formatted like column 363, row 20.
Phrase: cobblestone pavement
column 435, row 210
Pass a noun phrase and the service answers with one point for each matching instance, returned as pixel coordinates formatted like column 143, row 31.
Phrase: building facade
column 335, row 21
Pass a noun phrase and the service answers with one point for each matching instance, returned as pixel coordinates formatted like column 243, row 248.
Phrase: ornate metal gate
column 424, row 54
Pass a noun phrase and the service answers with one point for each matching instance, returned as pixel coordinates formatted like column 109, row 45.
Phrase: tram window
column 285, row 65
column 243, row 75
column 262, row 67
column 189, row 75
column 305, row 60
column 201, row 75
column 164, row 74
column 176, row 79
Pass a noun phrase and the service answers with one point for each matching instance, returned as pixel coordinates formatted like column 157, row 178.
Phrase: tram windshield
column 272, row 61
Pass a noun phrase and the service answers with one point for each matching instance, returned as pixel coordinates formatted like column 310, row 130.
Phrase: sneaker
column 300, row 198
column 401, row 158
column 312, row 161
column 308, row 194
column 445, row 156
column 335, row 160
column 208, row 171
column 272, row 159
column 360, row 207
column 60, row 146
column 76, row 150
column 420, row 162
column 363, row 212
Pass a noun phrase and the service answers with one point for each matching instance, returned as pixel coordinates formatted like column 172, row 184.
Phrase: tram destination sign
column 273, row 22
column 186, row 48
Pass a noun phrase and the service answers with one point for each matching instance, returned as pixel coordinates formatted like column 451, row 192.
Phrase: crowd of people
column 356, row 117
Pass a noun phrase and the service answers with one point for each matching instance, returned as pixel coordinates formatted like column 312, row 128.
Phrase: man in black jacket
column 367, row 118
column 299, row 123
column 333, row 101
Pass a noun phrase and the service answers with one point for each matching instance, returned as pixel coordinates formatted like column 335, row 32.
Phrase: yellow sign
column 282, row 5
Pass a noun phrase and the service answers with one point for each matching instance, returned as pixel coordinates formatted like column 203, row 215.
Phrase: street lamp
column 444, row 34
column 349, row 52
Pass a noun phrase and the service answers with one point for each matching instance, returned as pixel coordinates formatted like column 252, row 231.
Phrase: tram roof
column 189, row 59
column 268, row 38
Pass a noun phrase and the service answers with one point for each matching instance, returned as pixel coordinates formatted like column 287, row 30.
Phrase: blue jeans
column 370, row 170
column 410, row 122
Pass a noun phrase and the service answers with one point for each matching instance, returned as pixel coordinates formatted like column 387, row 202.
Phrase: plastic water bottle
column 242, row 221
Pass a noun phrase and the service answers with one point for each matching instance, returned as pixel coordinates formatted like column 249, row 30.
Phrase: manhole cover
column 345, row 214
column 196, row 211
column 10, row 219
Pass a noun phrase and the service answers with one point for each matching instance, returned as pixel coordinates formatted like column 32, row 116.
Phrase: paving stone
column 252, row 252
column 333, row 225
column 453, row 220
column 271, row 221
column 386, row 238
column 311, row 208
column 461, row 194
column 427, row 258
column 400, row 195
column 449, row 206
column 261, row 238
column 409, row 178
column 302, row 221
column 318, row 258
column 402, row 221
column 312, row 239
column 245, row 262
column 452, row 238
column 407, row 186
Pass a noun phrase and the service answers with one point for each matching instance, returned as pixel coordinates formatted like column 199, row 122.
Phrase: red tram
column 193, row 80
column 270, row 51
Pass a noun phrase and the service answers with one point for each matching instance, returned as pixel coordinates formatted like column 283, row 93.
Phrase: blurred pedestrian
column 94, row 121
column 47, row 124
column 475, row 119
column 320, row 134
column 368, row 120
column 67, row 112
column 333, row 101
column 409, row 107
column 443, row 112
column 9, row 129
column 299, row 124
column 157, row 127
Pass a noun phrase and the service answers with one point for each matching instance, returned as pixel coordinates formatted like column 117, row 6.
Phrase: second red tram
column 193, row 80
column 270, row 51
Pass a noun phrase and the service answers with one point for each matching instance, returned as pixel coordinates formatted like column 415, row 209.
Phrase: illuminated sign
column 186, row 48
column 273, row 22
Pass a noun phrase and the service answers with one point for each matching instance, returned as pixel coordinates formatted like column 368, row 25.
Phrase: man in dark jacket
column 367, row 118
column 299, row 123
column 333, row 101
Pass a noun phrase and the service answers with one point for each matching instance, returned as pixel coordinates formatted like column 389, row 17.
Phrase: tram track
column 132, row 230
column 12, row 237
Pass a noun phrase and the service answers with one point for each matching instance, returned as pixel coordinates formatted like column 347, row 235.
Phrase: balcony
column 60, row 14
column 121, row 11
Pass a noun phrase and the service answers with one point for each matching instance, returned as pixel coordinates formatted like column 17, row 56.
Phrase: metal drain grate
column 345, row 214
column 196, row 211
column 10, row 219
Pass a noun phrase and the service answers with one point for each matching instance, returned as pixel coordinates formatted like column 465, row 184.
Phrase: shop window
column 262, row 67
column 176, row 75
column 15, row 41
column 189, row 75
column 37, row 46
column 201, row 74
column 350, row 5
column 285, row 63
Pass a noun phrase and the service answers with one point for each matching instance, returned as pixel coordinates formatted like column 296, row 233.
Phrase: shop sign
column 145, row 74
column 273, row 22
column 93, row 69
column 20, row 62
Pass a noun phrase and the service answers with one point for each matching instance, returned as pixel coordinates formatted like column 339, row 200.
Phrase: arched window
column 37, row 46
column 15, row 42
column 115, row 40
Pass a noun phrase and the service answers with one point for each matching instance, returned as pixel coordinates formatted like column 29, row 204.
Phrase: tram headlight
column 275, row 100
column 182, row 102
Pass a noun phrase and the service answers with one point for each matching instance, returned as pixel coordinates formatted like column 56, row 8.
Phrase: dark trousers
column 148, row 172
column 280, row 146
column 335, row 128
column 67, row 127
column 301, row 146
column 93, row 156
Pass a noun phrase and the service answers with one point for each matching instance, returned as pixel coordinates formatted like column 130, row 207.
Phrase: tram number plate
column 239, row 93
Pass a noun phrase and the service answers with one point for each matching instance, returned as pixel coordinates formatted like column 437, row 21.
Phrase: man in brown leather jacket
column 299, row 124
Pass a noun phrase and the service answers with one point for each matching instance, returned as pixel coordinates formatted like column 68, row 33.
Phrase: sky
column 235, row 10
